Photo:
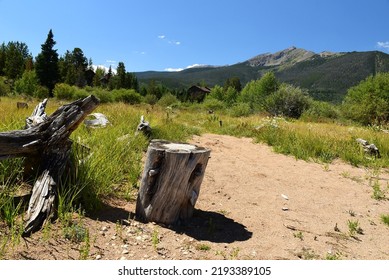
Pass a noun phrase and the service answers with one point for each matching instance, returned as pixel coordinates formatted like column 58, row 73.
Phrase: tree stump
column 171, row 181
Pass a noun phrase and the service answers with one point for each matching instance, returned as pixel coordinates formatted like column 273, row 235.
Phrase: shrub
column 289, row 101
column 255, row 92
column 368, row 101
column 4, row 89
column 128, row 96
column 81, row 93
column 41, row 92
column 167, row 100
column 320, row 111
column 151, row 99
column 240, row 110
column 27, row 84
column 211, row 103
column 104, row 95
column 64, row 91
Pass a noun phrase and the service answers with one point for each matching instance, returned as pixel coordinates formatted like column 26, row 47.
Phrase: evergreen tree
column 16, row 55
column 233, row 82
column 46, row 65
column 2, row 58
column 121, row 73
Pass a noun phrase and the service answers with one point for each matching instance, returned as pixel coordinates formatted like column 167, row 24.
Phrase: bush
column 4, row 89
column 27, row 84
column 211, row 103
column 368, row 102
column 288, row 101
column 41, row 92
column 320, row 111
column 81, row 93
column 240, row 110
column 64, row 91
column 255, row 92
column 104, row 95
column 167, row 100
column 128, row 96
column 151, row 99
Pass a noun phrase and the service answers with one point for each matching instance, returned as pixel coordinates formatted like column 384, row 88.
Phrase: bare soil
column 254, row 204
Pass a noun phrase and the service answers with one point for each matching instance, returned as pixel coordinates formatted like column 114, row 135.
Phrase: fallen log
column 46, row 145
column 171, row 181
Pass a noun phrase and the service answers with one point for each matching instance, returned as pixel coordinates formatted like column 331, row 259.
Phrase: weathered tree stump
column 171, row 181
column 46, row 145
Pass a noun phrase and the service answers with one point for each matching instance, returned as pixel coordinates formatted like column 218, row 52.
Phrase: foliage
column 233, row 82
column 211, row 103
column 128, row 96
column 46, row 65
column 256, row 91
column 4, row 87
column 14, row 57
column 368, row 102
column 217, row 92
column 167, row 99
column 28, row 84
column 240, row 110
column 288, row 101
column 72, row 67
column 320, row 111
column 64, row 91
column 385, row 219
column 150, row 99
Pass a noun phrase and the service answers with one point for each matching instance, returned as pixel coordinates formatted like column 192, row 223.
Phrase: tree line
column 49, row 69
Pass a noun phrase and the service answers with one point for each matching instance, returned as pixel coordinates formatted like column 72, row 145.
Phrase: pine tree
column 46, row 65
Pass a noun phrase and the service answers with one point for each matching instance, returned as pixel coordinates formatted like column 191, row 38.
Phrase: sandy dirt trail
column 253, row 204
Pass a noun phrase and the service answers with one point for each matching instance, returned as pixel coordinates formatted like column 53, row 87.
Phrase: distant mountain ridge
column 326, row 75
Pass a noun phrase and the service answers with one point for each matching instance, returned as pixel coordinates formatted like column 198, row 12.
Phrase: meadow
column 114, row 163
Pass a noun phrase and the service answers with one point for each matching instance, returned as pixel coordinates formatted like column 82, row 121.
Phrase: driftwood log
column 171, row 181
column 46, row 146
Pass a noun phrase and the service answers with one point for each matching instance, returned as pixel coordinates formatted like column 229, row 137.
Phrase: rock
column 125, row 252
column 98, row 257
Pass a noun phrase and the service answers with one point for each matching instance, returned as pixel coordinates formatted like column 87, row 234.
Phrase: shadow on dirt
column 203, row 226
column 213, row 227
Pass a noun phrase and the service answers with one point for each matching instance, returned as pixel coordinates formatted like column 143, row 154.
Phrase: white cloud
column 170, row 69
column 139, row 52
column 172, row 42
column 384, row 45
column 111, row 61
column 195, row 65
column 173, row 69
column 106, row 69
column 175, row 42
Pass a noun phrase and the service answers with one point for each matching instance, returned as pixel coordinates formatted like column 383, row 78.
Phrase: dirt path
column 254, row 204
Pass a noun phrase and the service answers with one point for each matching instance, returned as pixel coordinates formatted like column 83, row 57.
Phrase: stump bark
column 171, row 181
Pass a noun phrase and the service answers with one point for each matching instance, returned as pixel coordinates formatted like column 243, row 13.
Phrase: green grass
column 385, row 219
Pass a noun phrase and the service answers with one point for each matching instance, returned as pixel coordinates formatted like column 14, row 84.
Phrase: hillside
column 326, row 75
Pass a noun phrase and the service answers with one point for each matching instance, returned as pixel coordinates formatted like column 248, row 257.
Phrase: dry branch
column 46, row 145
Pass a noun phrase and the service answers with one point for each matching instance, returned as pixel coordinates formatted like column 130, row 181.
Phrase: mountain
column 326, row 75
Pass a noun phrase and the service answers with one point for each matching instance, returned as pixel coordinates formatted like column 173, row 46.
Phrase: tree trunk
column 171, row 181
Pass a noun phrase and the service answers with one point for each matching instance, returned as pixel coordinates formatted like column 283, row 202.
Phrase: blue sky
column 172, row 34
